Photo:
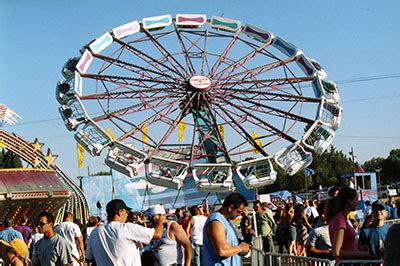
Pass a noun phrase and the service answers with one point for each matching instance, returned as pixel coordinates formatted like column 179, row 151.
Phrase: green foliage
column 328, row 168
column 391, row 167
column 9, row 160
column 101, row 173
column 373, row 165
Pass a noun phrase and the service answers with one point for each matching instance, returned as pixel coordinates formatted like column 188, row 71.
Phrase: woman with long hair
column 289, row 229
column 302, row 228
column 341, row 233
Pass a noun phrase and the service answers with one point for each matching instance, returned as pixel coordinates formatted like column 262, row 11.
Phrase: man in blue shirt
column 375, row 236
column 9, row 233
column 220, row 242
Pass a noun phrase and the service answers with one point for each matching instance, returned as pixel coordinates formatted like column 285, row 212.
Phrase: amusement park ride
column 40, row 186
column 141, row 88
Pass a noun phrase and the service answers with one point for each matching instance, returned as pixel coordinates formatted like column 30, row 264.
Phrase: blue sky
column 355, row 41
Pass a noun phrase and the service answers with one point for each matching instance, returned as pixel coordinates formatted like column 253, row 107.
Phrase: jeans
column 197, row 250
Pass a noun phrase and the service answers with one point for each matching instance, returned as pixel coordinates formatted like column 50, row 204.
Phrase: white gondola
column 73, row 114
column 318, row 137
column 213, row 177
column 326, row 89
column 166, row 172
column 256, row 173
column 68, row 70
column 64, row 92
column 330, row 114
column 293, row 158
column 92, row 138
column 285, row 47
column 125, row 159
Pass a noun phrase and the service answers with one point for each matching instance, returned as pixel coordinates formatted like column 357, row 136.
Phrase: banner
column 255, row 136
column 221, row 131
column 181, row 131
column 145, row 131
column 81, row 155
column 109, row 132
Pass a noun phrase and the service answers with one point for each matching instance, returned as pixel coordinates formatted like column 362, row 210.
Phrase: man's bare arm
column 216, row 233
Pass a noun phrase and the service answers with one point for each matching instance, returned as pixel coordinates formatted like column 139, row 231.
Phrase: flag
column 181, row 130
column 81, row 155
column 360, row 169
column 145, row 132
column 8, row 116
column 221, row 131
column 309, row 172
column 109, row 132
column 255, row 136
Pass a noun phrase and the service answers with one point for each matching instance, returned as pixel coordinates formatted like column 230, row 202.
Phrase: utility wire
column 345, row 81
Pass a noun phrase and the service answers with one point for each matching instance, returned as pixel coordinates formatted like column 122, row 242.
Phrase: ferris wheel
column 191, row 95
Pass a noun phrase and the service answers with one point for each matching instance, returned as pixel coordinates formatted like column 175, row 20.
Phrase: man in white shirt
column 195, row 231
column 72, row 233
column 116, row 243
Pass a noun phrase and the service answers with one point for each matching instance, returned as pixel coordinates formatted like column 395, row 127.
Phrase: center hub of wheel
column 200, row 83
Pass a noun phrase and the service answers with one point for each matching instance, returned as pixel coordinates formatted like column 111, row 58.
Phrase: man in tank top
column 220, row 241
column 168, row 250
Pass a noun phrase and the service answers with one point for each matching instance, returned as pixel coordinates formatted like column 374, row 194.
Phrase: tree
column 328, row 168
column 101, row 173
column 391, row 167
column 9, row 160
column 373, row 164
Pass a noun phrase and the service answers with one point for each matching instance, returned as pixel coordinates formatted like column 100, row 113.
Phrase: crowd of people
column 196, row 236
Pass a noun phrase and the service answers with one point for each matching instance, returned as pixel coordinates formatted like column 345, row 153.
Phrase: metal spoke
column 248, row 137
column 123, row 64
column 243, row 60
column 272, row 128
column 121, row 79
column 282, row 112
column 260, row 69
column 222, row 57
column 164, row 51
column 145, row 57
column 189, row 63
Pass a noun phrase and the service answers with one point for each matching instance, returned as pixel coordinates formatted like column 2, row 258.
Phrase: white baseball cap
column 156, row 209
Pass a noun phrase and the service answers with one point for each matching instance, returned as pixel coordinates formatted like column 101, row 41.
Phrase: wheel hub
column 200, row 83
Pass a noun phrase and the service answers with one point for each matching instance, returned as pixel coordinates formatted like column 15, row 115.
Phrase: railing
column 392, row 221
column 360, row 263
column 260, row 258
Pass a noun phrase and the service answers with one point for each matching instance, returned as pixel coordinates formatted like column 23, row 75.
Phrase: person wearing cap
column 168, row 250
column 374, row 236
column 52, row 249
column 14, row 252
column 116, row 242
column 220, row 241
column 72, row 233
column 9, row 233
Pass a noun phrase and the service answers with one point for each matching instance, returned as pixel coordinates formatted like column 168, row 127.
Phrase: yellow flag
column 254, row 135
column 145, row 132
column 81, row 155
column 221, row 131
column 109, row 132
column 181, row 130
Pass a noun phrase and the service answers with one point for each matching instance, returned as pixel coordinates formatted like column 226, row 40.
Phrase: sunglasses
column 41, row 224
